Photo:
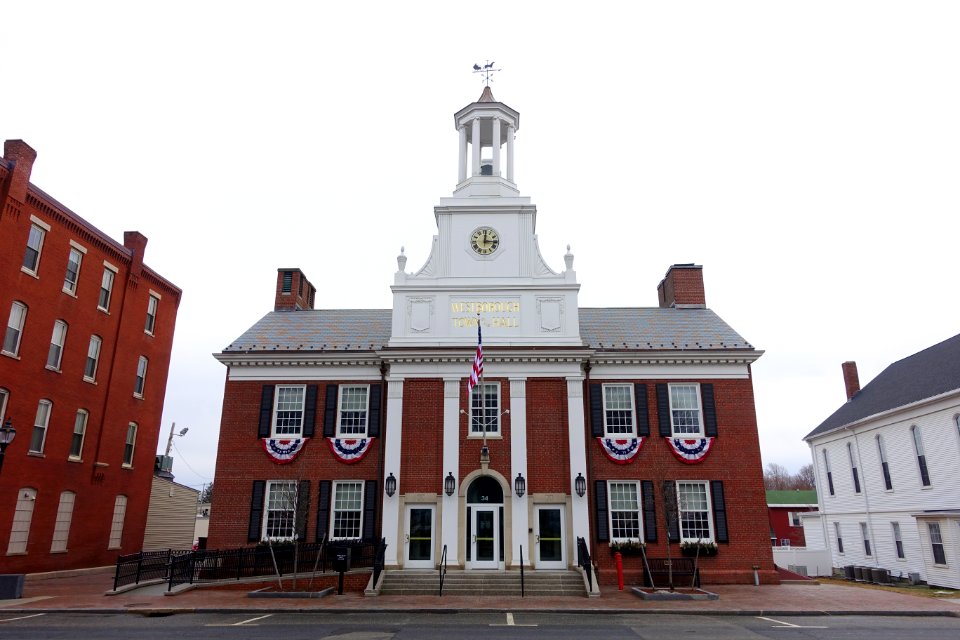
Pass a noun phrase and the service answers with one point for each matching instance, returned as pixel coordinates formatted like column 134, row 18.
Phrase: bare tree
column 777, row 477
column 804, row 478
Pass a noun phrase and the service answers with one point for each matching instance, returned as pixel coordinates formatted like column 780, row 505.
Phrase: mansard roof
column 603, row 329
column 927, row 374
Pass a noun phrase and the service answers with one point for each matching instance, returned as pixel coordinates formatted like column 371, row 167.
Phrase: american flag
column 477, row 362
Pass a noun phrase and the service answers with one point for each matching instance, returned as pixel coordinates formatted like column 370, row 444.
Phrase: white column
column 578, row 457
column 462, row 173
column 391, row 464
column 476, row 146
column 518, row 464
column 511, row 131
column 450, row 534
column 496, row 146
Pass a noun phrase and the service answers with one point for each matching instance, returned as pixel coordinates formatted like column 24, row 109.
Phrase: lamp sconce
column 390, row 485
column 449, row 484
column 580, row 484
column 520, row 485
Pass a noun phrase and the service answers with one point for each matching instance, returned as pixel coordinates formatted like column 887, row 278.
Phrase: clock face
column 485, row 241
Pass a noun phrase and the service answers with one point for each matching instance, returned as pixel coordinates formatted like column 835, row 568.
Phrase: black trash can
column 11, row 586
column 340, row 558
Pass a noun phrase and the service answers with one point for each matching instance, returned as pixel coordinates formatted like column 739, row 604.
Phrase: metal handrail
column 583, row 559
column 521, row 572
column 442, row 568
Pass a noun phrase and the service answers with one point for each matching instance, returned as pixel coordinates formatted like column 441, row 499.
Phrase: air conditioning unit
column 163, row 463
column 914, row 578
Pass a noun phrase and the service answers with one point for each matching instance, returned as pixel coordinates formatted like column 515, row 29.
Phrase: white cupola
column 485, row 127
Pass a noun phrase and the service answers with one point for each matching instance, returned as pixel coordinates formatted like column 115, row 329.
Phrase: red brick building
column 83, row 372
column 617, row 426
column 785, row 507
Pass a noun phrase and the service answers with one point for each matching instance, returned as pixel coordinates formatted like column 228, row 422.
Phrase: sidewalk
column 85, row 593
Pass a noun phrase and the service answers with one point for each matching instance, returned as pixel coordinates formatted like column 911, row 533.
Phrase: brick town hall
column 611, row 425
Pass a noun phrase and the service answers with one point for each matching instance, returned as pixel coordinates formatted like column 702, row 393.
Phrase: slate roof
column 605, row 329
column 929, row 373
column 796, row 496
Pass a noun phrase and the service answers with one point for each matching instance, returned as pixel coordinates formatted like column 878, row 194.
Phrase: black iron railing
column 442, row 569
column 521, row 572
column 379, row 559
column 583, row 560
column 146, row 565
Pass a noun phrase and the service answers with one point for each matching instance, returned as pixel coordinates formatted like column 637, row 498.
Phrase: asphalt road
column 468, row 626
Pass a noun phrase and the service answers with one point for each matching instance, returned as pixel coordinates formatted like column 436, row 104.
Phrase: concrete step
column 505, row 583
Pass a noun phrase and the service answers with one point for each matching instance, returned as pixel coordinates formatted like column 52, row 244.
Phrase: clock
column 484, row 241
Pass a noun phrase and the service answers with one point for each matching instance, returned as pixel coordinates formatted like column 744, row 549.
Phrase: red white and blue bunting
column 350, row 451
column 283, row 451
column 621, row 451
column 690, row 451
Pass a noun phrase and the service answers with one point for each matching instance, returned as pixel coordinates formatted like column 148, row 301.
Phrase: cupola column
column 476, row 146
column 511, row 131
column 463, row 155
column 496, row 146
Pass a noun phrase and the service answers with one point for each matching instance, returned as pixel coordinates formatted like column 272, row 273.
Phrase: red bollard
column 618, row 558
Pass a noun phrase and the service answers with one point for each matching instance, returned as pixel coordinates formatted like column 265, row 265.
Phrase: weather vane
column 486, row 70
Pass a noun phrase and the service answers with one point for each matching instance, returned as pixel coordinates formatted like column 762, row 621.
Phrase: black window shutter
column 596, row 410
column 600, row 510
column 370, row 510
column 266, row 411
column 373, row 418
column 719, row 511
column 310, row 411
column 671, row 513
column 323, row 509
column 643, row 418
column 330, row 412
column 663, row 410
column 649, row 511
column 303, row 509
column 256, row 511
column 709, row 410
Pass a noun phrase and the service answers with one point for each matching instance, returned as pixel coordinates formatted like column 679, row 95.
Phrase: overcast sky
column 807, row 154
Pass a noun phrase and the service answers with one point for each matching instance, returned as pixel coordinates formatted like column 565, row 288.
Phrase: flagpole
column 483, row 396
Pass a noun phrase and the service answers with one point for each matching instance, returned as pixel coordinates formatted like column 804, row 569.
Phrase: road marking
column 244, row 623
column 23, row 617
column 511, row 623
column 788, row 625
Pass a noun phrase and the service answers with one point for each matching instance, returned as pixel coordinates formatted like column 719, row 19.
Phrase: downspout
column 589, row 476
column 821, row 502
column 383, row 430
column 866, row 501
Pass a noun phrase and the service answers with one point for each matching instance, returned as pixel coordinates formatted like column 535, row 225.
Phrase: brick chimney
column 136, row 242
column 851, row 379
column 682, row 287
column 294, row 291
column 19, row 157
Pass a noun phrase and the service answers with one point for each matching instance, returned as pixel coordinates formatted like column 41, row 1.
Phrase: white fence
column 816, row 561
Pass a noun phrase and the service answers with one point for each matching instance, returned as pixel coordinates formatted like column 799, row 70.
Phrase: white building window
column 141, row 379
column 116, row 523
column 347, row 509
column 624, row 507
column 11, row 339
column 865, row 534
column 897, row 540
column 79, row 431
column 93, row 357
column 693, row 499
column 853, row 468
column 686, row 420
column 4, row 396
column 72, row 276
column 618, row 410
column 61, row 529
column 793, row 517
column 921, row 457
column 826, row 468
column 353, row 411
column 55, row 353
column 20, row 529
column 288, row 411
column 153, row 302
column 39, row 435
column 106, row 288
column 485, row 409
column 836, row 529
column 280, row 515
column 884, row 467
column 130, row 445
column 936, row 543
column 31, row 258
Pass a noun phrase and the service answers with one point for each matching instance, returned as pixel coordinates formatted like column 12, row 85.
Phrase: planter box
column 676, row 594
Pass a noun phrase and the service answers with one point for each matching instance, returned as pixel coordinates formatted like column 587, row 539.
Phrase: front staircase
column 483, row 583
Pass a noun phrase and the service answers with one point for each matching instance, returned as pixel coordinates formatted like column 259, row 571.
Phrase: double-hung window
column 31, row 258
column 897, row 540
column 353, row 411
column 141, row 378
column 936, row 543
column 280, row 514
column 686, row 420
column 485, row 409
column 93, row 357
column 921, row 457
column 40, row 423
column 853, row 468
column 618, row 410
column 4, row 396
column 11, row 339
column 884, row 467
column 793, row 517
column 79, row 431
column 153, row 302
column 129, row 445
column 693, row 499
column 106, row 286
column 347, row 509
column 72, row 276
column 865, row 534
column 625, row 517
column 836, row 529
column 56, row 345
column 826, row 468
column 288, row 411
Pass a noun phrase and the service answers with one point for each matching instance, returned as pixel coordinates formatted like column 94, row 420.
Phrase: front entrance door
column 549, row 532
column 419, row 545
column 485, row 544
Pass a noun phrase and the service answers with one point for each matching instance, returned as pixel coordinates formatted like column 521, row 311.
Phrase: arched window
column 882, row 452
column 921, row 458
column 61, row 529
column 116, row 524
column 15, row 322
column 22, row 517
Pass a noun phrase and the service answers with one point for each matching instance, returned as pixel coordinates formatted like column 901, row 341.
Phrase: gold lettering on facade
column 499, row 307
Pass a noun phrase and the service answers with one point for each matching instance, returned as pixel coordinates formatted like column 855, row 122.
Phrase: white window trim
column 37, row 221
column 45, row 229
column 709, row 497
column 113, row 284
column 61, row 527
column 45, row 426
column 83, row 436
column 942, row 543
column 76, row 283
column 154, row 296
column 865, row 537
column 610, row 510
column 303, row 411
column 633, row 411
column 266, row 511
column 4, row 397
column 22, row 521
column 133, row 445
column 23, row 321
column 897, row 536
column 96, row 365
column 339, row 432
column 333, row 508
column 838, row 538
column 115, row 541
column 919, row 450
column 490, row 433
column 63, row 342
column 141, row 379
column 855, row 479
column 701, row 433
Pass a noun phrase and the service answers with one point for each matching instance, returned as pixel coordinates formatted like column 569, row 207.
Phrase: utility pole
column 183, row 432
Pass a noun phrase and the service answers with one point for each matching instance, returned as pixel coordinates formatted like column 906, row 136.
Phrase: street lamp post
column 7, row 434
